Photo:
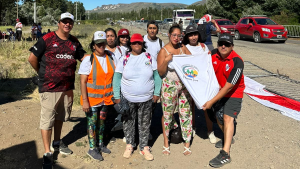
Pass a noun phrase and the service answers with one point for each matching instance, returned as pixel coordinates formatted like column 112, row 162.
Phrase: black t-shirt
column 57, row 62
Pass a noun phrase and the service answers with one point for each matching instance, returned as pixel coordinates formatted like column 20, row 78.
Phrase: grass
column 14, row 55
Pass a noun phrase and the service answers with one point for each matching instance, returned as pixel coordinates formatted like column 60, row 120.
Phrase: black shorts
column 228, row 106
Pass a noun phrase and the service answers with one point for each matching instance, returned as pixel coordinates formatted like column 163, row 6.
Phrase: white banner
column 198, row 75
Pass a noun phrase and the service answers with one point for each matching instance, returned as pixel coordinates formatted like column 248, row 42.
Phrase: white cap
column 66, row 15
column 99, row 37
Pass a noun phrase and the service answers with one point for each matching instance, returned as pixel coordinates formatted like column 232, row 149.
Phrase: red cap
column 123, row 32
column 136, row 38
column 17, row 19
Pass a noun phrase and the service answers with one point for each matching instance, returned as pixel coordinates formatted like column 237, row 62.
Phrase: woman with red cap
column 140, row 84
column 123, row 39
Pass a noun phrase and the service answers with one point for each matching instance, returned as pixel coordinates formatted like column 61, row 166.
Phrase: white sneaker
column 150, row 137
column 212, row 137
column 194, row 132
column 124, row 139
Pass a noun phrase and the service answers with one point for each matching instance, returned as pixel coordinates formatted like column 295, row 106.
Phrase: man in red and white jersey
column 226, row 105
column 54, row 59
column 18, row 29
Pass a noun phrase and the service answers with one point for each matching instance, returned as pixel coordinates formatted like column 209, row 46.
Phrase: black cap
column 190, row 29
column 225, row 38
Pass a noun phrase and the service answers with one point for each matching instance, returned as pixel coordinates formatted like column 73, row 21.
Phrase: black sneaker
column 95, row 154
column 220, row 143
column 47, row 161
column 62, row 148
column 221, row 159
column 104, row 149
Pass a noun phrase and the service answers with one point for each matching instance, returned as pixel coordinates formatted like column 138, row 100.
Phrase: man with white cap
column 54, row 59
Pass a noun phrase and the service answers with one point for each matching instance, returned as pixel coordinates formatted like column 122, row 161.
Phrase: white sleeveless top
column 171, row 73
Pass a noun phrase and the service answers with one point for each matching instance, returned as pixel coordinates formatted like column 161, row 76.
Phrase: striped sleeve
column 236, row 71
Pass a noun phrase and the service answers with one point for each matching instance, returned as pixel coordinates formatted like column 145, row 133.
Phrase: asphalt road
column 289, row 48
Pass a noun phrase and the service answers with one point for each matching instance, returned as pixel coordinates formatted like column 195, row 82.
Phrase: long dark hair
column 186, row 41
column 114, row 32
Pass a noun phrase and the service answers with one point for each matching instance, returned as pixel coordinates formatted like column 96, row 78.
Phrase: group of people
column 36, row 31
column 132, row 70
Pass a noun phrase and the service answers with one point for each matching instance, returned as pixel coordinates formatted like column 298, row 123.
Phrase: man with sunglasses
column 226, row 105
column 54, row 59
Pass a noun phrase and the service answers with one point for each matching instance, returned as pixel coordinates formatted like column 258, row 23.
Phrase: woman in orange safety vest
column 96, row 74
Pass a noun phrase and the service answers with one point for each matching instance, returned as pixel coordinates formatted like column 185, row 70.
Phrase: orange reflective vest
column 99, row 83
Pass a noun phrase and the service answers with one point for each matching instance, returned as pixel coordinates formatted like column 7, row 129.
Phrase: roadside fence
column 293, row 31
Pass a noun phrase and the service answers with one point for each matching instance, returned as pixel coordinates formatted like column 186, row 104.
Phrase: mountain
column 136, row 6
column 199, row 2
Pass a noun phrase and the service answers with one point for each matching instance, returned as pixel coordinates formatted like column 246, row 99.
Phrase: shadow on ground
column 22, row 156
column 15, row 89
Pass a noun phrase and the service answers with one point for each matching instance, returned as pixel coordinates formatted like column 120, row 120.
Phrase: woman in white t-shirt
column 138, row 81
column 174, row 93
column 116, row 51
column 192, row 42
column 96, row 74
column 123, row 39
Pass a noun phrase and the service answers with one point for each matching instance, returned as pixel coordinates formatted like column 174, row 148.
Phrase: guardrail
column 293, row 31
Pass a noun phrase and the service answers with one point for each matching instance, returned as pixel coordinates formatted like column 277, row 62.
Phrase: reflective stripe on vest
column 94, row 85
column 100, row 95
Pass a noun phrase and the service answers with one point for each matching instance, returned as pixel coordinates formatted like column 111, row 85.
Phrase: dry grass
column 14, row 65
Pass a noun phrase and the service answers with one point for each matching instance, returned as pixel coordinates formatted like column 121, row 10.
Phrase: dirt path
column 264, row 139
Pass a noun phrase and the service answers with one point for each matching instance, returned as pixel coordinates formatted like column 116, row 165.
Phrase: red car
column 226, row 26
column 260, row 28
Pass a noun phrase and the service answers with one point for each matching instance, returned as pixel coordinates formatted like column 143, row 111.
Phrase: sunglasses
column 65, row 21
column 136, row 43
column 124, row 36
column 226, row 44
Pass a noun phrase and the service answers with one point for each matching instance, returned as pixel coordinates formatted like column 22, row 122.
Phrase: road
column 290, row 48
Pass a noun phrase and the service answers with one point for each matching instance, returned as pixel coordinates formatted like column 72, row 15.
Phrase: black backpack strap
column 92, row 58
column 160, row 42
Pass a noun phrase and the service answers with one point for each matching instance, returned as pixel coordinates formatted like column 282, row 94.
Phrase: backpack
column 126, row 57
column 202, row 31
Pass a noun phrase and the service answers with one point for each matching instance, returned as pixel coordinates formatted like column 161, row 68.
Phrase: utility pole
column 17, row 8
column 147, row 13
column 161, row 14
column 34, row 11
column 76, row 11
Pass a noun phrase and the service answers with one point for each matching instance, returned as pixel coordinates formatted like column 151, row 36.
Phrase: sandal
column 167, row 149
column 128, row 151
column 187, row 150
column 147, row 154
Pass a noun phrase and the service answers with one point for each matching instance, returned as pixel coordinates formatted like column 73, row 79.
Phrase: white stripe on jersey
column 236, row 76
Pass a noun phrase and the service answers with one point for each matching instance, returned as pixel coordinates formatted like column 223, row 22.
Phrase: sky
column 89, row 5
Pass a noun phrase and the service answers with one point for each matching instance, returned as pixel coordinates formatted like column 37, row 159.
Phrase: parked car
column 167, row 23
column 194, row 22
column 226, row 26
column 260, row 28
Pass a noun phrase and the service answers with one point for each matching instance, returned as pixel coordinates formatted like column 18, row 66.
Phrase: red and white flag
column 286, row 106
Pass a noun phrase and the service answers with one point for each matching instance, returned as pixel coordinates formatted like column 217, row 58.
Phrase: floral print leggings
column 174, row 94
column 95, row 125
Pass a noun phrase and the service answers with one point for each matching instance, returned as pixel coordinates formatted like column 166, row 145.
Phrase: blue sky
column 89, row 5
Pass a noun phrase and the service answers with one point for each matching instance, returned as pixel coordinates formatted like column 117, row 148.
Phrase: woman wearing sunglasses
column 140, row 84
column 174, row 93
column 96, row 74
column 123, row 39
column 192, row 42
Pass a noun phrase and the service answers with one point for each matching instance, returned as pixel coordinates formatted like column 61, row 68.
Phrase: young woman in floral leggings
column 174, row 93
